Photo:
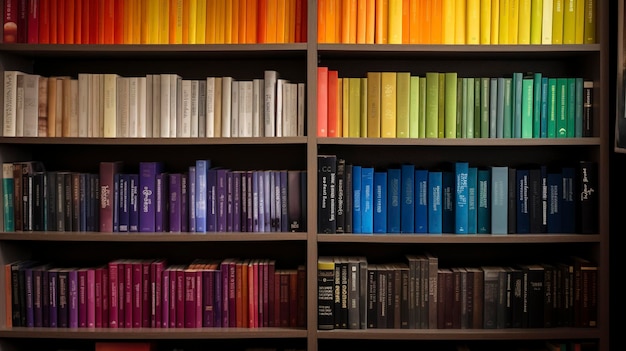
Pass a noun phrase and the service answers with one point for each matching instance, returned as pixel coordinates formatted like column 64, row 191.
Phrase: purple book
column 224, row 269
column 28, row 289
column 284, row 204
column 222, row 193
column 147, row 184
column 236, row 201
column 243, row 208
column 184, row 202
column 268, row 200
column 202, row 166
column 191, row 193
column 45, row 299
column 53, row 301
column 249, row 202
column 162, row 215
column 211, row 184
column 133, row 195
column 82, row 298
column 123, row 203
column 175, row 206
column 63, row 305
column 255, row 201
column 72, row 289
column 229, row 201
column 261, row 195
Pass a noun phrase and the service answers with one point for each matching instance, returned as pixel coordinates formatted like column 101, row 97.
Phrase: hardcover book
column 148, row 172
column 108, row 170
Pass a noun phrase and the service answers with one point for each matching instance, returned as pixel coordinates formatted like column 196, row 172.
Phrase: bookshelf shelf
column 457, row 239
column 153, row 141
column 152, row 237
column 440, row 142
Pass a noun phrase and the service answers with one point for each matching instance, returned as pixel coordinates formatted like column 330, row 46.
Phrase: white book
column 257, row 106
column 110, row 105
column 210, row 107
column 19, row 106
column 194, row 108
column 245, row 109
column 149, row 106
column 31, row 105
column 123, row 107
column 73, row 100
column 270, row 79
column 166, row 101
column 141, row 106
column 100, row 126
column 93, row 120
column 61, row 116
column 176, row 110
column 156, row 105
column 84, row 91
column 290, row 114
column 546, row 22
column 217, row 106
column 10, row 103
column 133, row 107
column 227, row 83
column 185, row 121
column 42, row 101
column 234, row 109
column 279, row 107
column 202, row 108
column 301, row 108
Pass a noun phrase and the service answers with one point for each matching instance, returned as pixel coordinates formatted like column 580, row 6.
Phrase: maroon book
column 190, row 297
column 113, row 269
column 107, row 192
column 136, row 294
column 98, row 297
column 271, row 310
column 156, row 293
column 146, row 295
column 180, row 297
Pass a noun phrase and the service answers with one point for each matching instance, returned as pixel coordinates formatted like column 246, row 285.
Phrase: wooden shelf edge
column 462, row 334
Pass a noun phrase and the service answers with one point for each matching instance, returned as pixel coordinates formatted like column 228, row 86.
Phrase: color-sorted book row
column 155, row 21
column 156, row 105
column 474, row 22
column 199, row 199
column 419, row 292
column 152, row 293
column 445, row 105
column 456, row 198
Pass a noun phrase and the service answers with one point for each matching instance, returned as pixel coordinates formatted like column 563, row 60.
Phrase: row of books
column 420, row 293
column 456, row 198
column 201, row 199
column 151, row 293
column 156, row 105
column 457, row 22
column 445, row 105
column 151, row 346
column 155, row 22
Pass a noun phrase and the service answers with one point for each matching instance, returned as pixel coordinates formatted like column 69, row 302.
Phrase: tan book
column 42, row 107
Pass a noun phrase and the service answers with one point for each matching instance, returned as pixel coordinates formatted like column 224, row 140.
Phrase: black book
column 535, row 201
column 341, row 196
column 533, row 276
column 39, row 205
column 348, row 200
column 587, row 199
column 325, row 293
column 326, row 192
column 549, row 296
column 51, row 201
column 372, row 296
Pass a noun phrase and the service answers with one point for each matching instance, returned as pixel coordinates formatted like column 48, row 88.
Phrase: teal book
column 448, row 202
column 493, row 107
column 537, row 80
column 435, row 197
column 461, row 194
column 357, row 218
column 485, row 97
column 500, row 108
column 367, row 200
column 380, row 202
column 7, row 197
column 527, row 108
column 552, row 107
column 477, row 99
column 578, row 107
column 483, row 211
column 561, row 107
column 571, row 107
column 407, row 205
column 472, row 200
column 421, row 200
column 394, row 176
column 543, row 132
column 499, row 199
column 517, row 104
column 507, row 125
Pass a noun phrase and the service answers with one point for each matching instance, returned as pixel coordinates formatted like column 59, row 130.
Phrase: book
column 8, row 197
column 148, row 172
column 499, row 199
column 435, row 199
column 380, row 202
column 107, row 172
column 367, row 200
column 461, row 198
column 327, row 169
column 393, row 199
column 586, row 180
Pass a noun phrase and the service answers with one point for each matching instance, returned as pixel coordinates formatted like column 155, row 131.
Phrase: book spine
column 82, row 298
column 327, row 170
column 147, row 194
column 72, row 289
column 394, row 196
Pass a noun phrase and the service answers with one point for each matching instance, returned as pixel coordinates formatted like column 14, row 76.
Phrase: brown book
column 293, row 298
column 107, row 172
column 585, row 292
column 444, row 314
column 301, row 312
column 433, row 265
column 459, row 309
column 475, row 286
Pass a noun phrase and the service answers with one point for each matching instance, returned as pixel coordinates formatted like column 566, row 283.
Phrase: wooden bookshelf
column 299, row 62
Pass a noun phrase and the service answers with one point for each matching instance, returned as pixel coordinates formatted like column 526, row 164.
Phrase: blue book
column 357, row 219
column 522, row 192
column 483, row 196
column 543, row 133
column 544, row 198
column 394, row 176
column 555, row 186
column 133, row 217
column 568, row 202
column 380, row 202
column 448, row 202
column 191, row 195
column 202, row 166
column 175, row 203
column 147, row 184
column 460, row 199
column 407, row 206
column 435, row 197
column 421, row 201
column 367, row 200
column 499, row 199
column 211, row 202
column 472, row 200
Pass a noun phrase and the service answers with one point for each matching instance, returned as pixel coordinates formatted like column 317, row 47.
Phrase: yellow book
column 153, row 22
column 413, row 21
column 210, row 21
column 441, row 100
column 228, row 22
column 589, row 35
column 485, row 22
column 495, row 22
column 395, row 22
column 373, row 104
column 569, row 21
column 138, row 16
column 513, row 21
column 192, row 23
column 421, row 116
column 580, row 20
column 201, row 22
column 414, row 106
column 449, row 21
column 354, row 101
column 380, row 28
column 388, row 104
column 144, row 21
column 361, row 22
column 280, row 21
column 403, row 88
column 557, row 21
column 459, row 17
column 272, row 21
column 473, row 10
column 536, row 21
column 370, row 21
column 339, row 109
column 363, row 107
column 523, row 35
column 546, row 22
column 503, row 38
column 345, row 107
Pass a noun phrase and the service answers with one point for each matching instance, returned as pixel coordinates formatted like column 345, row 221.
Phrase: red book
column 85, row 21
column 271, row 268
column 22, row 21
column 113, row 269
column 94, row 21
column 190, row 298
column 108, row 15
column 334, row 122
column 251, row 308
column 261, row 33
column 293, row 298
column 146, row 296
column 60, row 21
column 44, row 21
column 33, row 22
column 53, row 18
column 108, row 169
column 106, row 297
column 135, row 294
column 9, row 29
column 266, row 290
column 98, row 297
column 322, row 101
column 245, row 323
column 78, row 21
column 121, row 294
column 69, row 21
column 300, row 4
column 118, row 22
column 165, row 299
column 199, row 292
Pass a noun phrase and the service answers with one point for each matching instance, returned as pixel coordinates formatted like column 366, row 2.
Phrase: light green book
column 485, row 97
column 432, row 104
column 477, row 103
column 464, row 113
column 422, row 107
column 354, row 108
column 450, row 104
column 403, row 88
column 414, row 107
column 552, row 107
column 459, row 107
column 469, row 105
column 527, row 107
column 442, row 105
column 508, row 108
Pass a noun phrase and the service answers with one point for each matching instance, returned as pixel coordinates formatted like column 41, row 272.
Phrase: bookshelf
column 299, row 62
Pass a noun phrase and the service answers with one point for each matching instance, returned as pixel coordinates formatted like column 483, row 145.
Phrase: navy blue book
column 587, row 185
column 543, row 170
column 435, row 197
column 357, row 219
column 421, row 201
column 472, row 200
column 447, row 205
column 380, row 202
column 535, row 200
column 461, row 195
column 523, row 215
column 394, row 176
column 367, row 200
column 133, row 189
column 555, row 186
column 483, row 211
column 568, row 205
column 407, row 206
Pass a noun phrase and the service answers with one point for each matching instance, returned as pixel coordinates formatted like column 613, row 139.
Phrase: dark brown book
column 565, row 297
column 585, row 296
column 459, row 309
column 475, row 297
column 107, row 172
column 433, row 268
column 444, row 308
column 549, row 297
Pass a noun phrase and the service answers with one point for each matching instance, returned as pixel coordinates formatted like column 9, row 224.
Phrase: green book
column 561, row 107
column 493, row 107
column 414, row 106
column 484, row 106
column 477, row 115
column 450, row 106
column 442, row 105
column 517, row 104
column 432, row 104
column 578, row 133
column 537, row 105
column 527, row 108
column 363, row 109
column 469, row 108
column 8, row 191
column 403, row 88
column 508, row 108
column 500, row 107
column 571, row 107
column 552, row 107
column 459, row 107
column 422, row 107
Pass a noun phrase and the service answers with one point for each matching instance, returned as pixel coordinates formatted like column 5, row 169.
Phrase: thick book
column 107, row 172
column 148, row 172
column 327, row 171
column 499, row 199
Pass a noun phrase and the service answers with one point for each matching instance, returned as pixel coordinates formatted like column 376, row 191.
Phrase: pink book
column 91, row 298
column 146, row 296
column 156, row 292
column 98, row 297
column 199, row 292
column 106, row 297
column 172, row 293
column 136, row 293
column 113, row 298
column 121, row 291
column 82, row 298
column 180, row 297
column 251, row 319
column 165, row 299
column 190, row 298
column 128, row 294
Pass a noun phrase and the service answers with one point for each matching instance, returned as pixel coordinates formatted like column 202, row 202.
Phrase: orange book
column 352, row 12
column 220, row 21
column 370, row 21
column 161, row 28
column 300, row 9
column 333, row 120
column 144, row 10
column 261, row 23
column 322, row 101
column 210, row 21
column 228, row 22
column 406, row 24
column 234, row 25
column 252, row 16
column 191, row 21
column 330, row 12
column 243, row 25
column 60, row 21
column 185, row 21
column 44, row 21
column 361, row 21
column 344, row 20
column 109, row 21
column 138, row 26
column 380, row 28
column 413, row 21
column 321, row 20
column 425, row 21
column 436, row 22
column 175, row 22
column 290, row 29
column 271, row 21
column 78, row 22
column 119, row 22
column 127, row 21
column 281, row 18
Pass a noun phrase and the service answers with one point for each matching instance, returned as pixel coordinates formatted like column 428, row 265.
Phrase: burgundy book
column 156, row 293
column 146, row 295
column 293, row 298
column 108, row 170
column 224, row 269
column 98, row 297
column 82, row 298
column 121, row 291
column 91, row 297
column 172, row 295
column 277, row 302
column 180, row 297
column 271, row 310
column 136, row 294
column 190, row 288
column 265, row 294
column 284, row 298
column 165, row 298
column 128, row 293
column 106, row 297
column 208, row 296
